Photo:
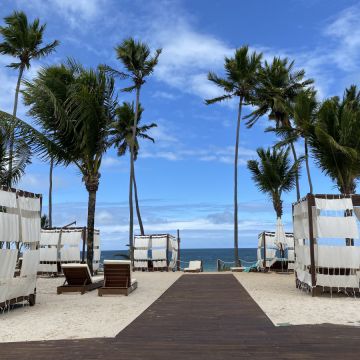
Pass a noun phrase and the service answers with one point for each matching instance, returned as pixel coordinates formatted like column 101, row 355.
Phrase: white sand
column 284, row 304
column 71, row 316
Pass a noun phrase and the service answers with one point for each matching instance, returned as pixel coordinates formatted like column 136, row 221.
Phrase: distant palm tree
column 304, row 112
column 277, row 89
column 22, row 41
column 241, row 79
column 335, row 140
column 80, row 128
column 139, row 64
column 274, row 174
column 121, row 132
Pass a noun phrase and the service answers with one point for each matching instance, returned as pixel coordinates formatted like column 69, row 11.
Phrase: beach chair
column 79, row 279
column 237, row 269
column 195, row 266
column 117, row 278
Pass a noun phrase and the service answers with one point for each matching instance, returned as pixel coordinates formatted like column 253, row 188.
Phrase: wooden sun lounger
column 195, row 266
column 117, row 278
column 78, row 279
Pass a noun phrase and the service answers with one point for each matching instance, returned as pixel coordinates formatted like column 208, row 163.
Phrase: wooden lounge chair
column 78, row 279
column 195, row 266
column 117, row 278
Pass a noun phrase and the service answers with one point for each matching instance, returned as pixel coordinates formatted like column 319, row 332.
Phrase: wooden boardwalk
column 201, row 317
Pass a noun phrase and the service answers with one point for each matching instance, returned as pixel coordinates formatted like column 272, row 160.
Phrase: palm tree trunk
column 50, row 191
column 137, row 206
column 307, row 165
column 236, row 226
column 11, row 147
column 297, row 173
column 92, row 185
column 131, row 209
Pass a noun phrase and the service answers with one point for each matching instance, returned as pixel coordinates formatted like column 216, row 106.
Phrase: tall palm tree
column 121, row 132
column 241, row 79
column 303, row 112
column 22, row 40
column 139, row 64
column 335, row 140
column 79, row 126
column 274, row 174
column 277, row 89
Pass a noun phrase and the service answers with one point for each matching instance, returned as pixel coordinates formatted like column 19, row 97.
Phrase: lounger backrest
column 117, row 273
column 77, row 274
column 195, row 264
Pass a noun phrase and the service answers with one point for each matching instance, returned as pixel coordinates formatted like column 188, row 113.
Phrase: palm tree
column 139, row 64
column 79, row 127
column 274, row 174
column 121, row 132
column 277, row 89
column 335, row 140
column 21, row 154
column 303, row 111
column 22, row 40
column 241, row 79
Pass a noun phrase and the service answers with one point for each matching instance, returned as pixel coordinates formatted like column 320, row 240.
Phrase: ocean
column 208, row 256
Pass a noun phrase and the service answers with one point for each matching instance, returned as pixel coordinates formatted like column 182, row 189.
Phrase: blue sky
column 185, row 179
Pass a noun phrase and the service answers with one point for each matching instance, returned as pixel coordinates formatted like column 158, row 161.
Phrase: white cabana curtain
column 19, row 222
column 336, row 266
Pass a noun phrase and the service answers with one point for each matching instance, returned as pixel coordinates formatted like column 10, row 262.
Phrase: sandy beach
column 72, row 316
column 285, row 305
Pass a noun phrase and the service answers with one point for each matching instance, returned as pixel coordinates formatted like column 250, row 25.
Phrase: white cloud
column 77, row 13
column 164, row 95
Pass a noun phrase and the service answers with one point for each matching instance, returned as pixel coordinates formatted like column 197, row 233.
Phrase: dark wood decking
column 201, row 317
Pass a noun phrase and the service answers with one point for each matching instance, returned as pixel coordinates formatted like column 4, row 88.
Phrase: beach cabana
column 156, row 252
column 275, row 249
column 19, row 231
column 327, row 251
column 63, row 245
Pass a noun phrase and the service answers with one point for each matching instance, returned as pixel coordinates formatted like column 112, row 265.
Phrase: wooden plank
column 207, row 316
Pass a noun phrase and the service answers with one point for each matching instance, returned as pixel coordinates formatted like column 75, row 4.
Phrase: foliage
column 335, row 140
column 23, row 40
column 274, row 174
column 241, row 76
column 122, row 129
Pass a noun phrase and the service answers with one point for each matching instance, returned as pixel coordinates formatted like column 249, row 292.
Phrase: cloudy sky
column 185, row 179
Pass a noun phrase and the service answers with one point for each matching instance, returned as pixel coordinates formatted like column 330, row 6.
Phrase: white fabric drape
column 334, row 204
column 7, row 199
column 72, row 237
column 48, row 254
column 7, row 263
column 30, row 263
column 338, row 256
column 29, row 204
column 159, row 241
column 159, row 264
column 49, row 237
column 158, row 254
column 336, row 227
column 141, row 242
column 140, row 254
column 280, row 238
column 9, row 227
